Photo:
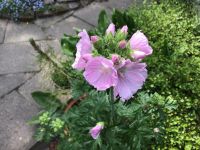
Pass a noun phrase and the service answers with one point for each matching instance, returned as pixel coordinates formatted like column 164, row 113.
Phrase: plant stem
column 111, row 106
column 55, row 63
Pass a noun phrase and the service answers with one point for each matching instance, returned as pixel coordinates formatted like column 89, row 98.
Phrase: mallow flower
column 84, row 47
column 110, row 66
column 131, row 77
column 95, row 131
column 140, row 46
column 100, row 73
column 111, row 29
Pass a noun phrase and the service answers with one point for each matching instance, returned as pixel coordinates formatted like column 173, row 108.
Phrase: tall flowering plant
column 113, row 62
column 105, row 69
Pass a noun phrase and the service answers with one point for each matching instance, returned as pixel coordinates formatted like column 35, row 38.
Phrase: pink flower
column 131, row 77
column 94, row 38
column 122, row 44
column 84, row 46
column 95, row 131
column 124, row 29
column 140, row 46
column 111, row 29
column 100, row 73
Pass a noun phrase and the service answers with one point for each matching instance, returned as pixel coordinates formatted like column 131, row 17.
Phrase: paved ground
column 20, row 73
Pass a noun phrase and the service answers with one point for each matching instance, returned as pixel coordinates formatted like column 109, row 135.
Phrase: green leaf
column 121, row 18
column 103, row 21
column 35, row 119
column 68, row 44
column 46, row 100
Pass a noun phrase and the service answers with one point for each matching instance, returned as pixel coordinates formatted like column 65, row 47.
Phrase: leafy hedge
column 174, row 68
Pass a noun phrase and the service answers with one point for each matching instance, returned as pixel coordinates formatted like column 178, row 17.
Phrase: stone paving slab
column 17, row 58
column 91, row 13
column 38, row 83
column 3, row 24
column 23, row 32
column 16, row 134
column 47, row 22
column 119, row 4
column 12, row 81
column 57, row 30
column 50, row 45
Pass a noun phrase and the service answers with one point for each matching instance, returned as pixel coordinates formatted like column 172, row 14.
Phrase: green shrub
column 137, row 125
column 174, row 68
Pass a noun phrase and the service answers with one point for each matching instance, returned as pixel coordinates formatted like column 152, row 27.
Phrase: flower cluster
column 16, row 7
column 112, row 61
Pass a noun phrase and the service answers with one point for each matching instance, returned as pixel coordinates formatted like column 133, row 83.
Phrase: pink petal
column 100, row 73
column 111, row 29
column 131, row 77
column 138, row 55
column 139, row 42
column 84, row 46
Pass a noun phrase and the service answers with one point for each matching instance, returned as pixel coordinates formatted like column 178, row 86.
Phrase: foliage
column 141, row 121
column 17, row 7
column 174, row 67
column 136, row 121
column 50, row 124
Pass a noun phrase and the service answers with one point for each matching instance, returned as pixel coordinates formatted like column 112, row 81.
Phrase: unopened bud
column 94, row 38
column 122, row 44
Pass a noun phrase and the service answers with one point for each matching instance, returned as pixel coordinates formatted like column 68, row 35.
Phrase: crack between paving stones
column 4, row 35
column 83, row 20
column 60, row 20
column 46, row 38
column 17, row 87
column 33, row 72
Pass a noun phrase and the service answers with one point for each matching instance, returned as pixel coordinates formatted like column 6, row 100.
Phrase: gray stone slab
column 66, row 26
column 91, row 13
column 23, row 32
column 40, row 82
column 17, row 58
column 16, row 133
column 3, row 24
column 12, row 81
column 119, row 4
column 47, row 22
column 50, row 45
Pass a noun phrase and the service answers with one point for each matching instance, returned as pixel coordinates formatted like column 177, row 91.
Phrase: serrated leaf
column 103, row 21
column 46, row 100
column 68, row 44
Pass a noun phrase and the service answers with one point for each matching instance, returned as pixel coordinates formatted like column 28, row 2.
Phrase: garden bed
column 164, row 114
column 42, row 9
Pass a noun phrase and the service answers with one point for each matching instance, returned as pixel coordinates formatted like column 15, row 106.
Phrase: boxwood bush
column 174, row 68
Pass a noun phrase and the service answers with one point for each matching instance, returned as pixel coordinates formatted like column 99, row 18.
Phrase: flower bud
column 95, row 131
column 94, row 38
column 111, row 29
column 122, row 44
column 115, row 58
column 124, row 29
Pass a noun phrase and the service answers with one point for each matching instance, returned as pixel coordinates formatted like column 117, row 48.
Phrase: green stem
column 111, row 106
